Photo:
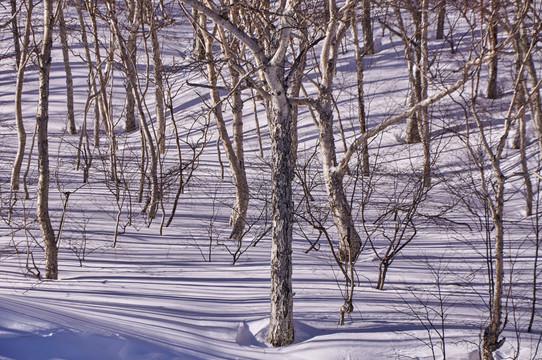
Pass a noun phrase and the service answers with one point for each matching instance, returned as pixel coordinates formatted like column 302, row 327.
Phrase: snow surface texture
column 159, row 297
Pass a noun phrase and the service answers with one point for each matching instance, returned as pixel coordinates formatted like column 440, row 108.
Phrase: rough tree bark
column 271, row 65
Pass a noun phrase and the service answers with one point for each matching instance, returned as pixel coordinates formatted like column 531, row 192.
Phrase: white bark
column 67, row 69
column 158, row 82
column 42, row 118
column 148, row 138
column 21, row 132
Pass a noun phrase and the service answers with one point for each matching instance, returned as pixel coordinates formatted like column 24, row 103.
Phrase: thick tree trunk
column 21, row 133
column 42, row 118
column 271, row 71
column 68, row 70
column 281, row 326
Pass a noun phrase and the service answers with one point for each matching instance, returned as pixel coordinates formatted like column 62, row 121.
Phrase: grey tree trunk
column 493, row 190
column 21, row 132
column 130, row 123
column 279, row 108
column 234, row 151
column 67, row 69
column 15, row 32
column 42, row 118
column 492, row 32
column 424, row 114
column 367, row 28
column 281, row 326
column 92, row 87
column 158, row 82
column 519, row 142
column 129, row 63
column 349, row 240
column 361, row 97
column 413, row 56
column 441, row 17
column 279, row 112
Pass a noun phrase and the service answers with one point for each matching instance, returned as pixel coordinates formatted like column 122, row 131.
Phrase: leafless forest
column 357, row 126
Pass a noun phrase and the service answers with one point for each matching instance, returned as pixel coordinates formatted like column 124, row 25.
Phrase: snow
column 178, row 296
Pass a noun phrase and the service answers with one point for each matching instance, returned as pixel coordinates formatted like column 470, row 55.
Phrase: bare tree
column 367, row 27
column 361, row 94
column 21, row 65
column 148, row 140
column 42, row 118
column 271, row 64
column 492, row 40
column 67, row 69
column 154, row 26
column 15, row 30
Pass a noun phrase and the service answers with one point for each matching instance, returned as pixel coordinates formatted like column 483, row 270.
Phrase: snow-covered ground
column 176, row 295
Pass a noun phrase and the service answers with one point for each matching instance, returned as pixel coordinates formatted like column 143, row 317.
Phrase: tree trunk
column 440, row 20
column 424, row 114
column 519, row 140
column 147, row 139
column 92, row 88
column 279, row 108
column 367, row 28
column 15, row 31
column 281, row 326
column 412, row 55
column 234, row 151
column 490, row 339
column 67, row 68
column 361, row 98
column 131, row 75
column 158, row 83
column 21, row 133
column 492, row 31
column 42, row 118
column 349, row 240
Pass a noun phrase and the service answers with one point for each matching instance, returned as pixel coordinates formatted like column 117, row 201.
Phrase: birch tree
column 21, row 65
column 42, row 118
column 148, row 139
column 271, row 65
column 492, row 41
column 67, row 69
column 154, row 26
